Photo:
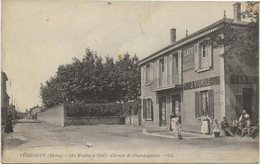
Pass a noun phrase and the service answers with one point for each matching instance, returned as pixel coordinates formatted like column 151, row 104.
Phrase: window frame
column 204, row 51
column 148, row 73
column 149, row 109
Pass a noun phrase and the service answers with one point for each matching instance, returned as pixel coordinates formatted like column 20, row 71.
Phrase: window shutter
column 170, row 69
column 210, row 55
column 179, row 67
column 157, row 72
column 144, row 108
column 151, row 73
column 197, row 104
column 211, row 103
column 144, row 74
column 166, row 70
column 151, row 109
column 196, row 57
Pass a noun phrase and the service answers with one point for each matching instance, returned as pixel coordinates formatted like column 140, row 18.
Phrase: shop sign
column 202, row 83
column 242, row 79
column 188, row 59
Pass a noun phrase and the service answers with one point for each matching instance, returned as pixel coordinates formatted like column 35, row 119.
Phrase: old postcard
column 129, row 81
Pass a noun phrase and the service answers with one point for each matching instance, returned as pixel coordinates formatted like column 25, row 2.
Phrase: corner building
column 190, row 77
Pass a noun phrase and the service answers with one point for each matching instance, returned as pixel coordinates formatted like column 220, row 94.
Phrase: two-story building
column 189, row 77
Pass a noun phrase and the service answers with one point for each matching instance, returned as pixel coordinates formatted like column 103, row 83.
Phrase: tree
column 241, row 42
column 129, row 77
column 93, row 78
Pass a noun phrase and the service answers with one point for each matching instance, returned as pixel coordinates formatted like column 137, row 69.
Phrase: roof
column 192, row 37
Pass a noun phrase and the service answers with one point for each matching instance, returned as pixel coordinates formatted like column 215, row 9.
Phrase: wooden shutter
column 151, row 109
column 210, row 55
column 144, row 108
column 158, row 72
column 144, row 74
column 151, row 73
column 211, row 103
column 197, row 104
column 170, row 69
column 179, row 67
column 196, row 57
column 165, row 70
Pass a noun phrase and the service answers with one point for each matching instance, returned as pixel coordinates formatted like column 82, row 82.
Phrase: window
column 204, row 103
column 162, row 65
column 148, row 73
column 148, row 109
column 175, row 69
column 204, row 57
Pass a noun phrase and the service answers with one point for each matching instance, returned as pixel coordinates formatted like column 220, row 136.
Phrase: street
column 117, row 143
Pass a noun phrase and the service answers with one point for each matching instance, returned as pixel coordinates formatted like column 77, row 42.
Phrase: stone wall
column 94, row 120
column 55, row 116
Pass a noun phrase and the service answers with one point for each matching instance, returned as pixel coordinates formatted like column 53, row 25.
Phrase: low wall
column 94, row 120
column 54, row 116
column 132, row 120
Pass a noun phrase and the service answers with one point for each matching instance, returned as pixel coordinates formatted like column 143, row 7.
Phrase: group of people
column 242, row 126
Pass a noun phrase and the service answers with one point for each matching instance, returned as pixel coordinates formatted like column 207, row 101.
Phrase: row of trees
column 93, row 78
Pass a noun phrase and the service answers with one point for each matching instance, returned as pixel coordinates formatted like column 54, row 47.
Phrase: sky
column 38, row 36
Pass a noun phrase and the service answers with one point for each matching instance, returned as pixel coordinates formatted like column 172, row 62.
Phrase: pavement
column 119, row 143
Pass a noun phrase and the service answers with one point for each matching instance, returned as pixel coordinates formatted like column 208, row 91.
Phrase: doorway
column 162, row 111
column 247, row 100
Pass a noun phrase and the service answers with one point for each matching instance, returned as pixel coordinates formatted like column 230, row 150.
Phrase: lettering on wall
column 242, row 79
column 188, row 59
column 202, row 83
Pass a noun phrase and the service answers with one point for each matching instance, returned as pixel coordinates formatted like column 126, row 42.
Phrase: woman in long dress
column 173, row 123
column 9, row 126
column 205, row 123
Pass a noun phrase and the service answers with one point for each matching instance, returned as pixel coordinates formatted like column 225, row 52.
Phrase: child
column 178, row 131
column 216, row 129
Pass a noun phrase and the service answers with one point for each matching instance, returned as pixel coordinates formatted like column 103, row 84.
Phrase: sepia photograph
column 129, row 81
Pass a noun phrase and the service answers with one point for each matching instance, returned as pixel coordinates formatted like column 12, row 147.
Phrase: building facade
column 189, row 77
column 34, row 110
column 4, row 98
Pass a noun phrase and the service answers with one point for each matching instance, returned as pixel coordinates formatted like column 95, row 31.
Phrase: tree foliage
column 240, row 41
column 93, row 78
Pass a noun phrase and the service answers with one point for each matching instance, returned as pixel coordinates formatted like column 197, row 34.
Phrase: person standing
column 205, row 122
column 9, row 126
column 174, row 121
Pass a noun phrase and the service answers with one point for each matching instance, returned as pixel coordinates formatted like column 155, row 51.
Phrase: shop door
column 162, row 111
column 176, row 105
column 247, row 100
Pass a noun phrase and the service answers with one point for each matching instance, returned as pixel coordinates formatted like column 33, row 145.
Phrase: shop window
column 148, row 109
column 204, row 103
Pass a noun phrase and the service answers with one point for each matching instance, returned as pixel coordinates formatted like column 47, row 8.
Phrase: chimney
column 237, row 11
column 173, row 35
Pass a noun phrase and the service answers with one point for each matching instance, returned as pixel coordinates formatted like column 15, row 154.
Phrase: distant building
column 34, row 111
column 4, row 97
column 190, row 78
column 12, row 111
